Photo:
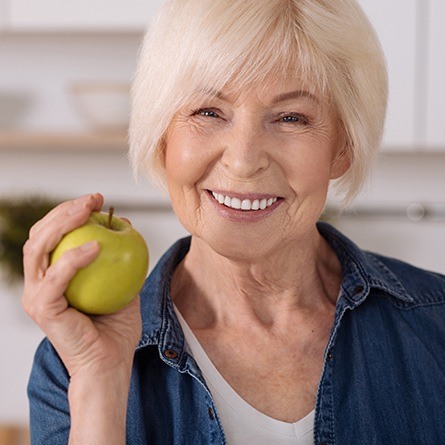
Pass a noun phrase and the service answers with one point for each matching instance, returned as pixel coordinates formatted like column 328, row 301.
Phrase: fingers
column 44, row 286
column 46, row 233
column 59, row 274
column 92, row 202
column 44, row 300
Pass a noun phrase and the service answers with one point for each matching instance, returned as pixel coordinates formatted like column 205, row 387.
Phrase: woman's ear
column 342, row 152
column 342, row 161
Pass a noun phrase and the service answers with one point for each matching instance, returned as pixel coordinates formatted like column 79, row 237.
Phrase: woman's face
column 248, row 173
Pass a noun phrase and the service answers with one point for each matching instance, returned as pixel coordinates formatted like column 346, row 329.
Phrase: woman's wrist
column 98, row 407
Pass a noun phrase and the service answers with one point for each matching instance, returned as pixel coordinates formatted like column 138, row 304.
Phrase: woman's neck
column 210, row 289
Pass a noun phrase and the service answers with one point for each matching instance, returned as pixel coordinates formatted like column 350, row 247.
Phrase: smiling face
column 248, row 173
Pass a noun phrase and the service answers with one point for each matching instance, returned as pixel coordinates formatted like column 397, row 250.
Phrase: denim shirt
column 383, row 378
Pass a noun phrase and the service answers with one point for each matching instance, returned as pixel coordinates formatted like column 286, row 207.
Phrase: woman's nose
column 246, row 152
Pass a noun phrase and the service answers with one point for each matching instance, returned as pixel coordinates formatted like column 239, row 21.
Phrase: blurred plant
column 17, row 216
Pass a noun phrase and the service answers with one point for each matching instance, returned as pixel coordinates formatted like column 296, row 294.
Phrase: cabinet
column 435, row 96
column 80, row 15
column 396, row 25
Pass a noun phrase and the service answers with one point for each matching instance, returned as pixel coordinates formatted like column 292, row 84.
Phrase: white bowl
column 104, row 106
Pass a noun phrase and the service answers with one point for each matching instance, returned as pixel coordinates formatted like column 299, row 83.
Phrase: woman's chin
column 240, row 247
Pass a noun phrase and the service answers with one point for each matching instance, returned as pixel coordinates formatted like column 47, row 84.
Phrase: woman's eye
column 293, row 119
column 205, row 112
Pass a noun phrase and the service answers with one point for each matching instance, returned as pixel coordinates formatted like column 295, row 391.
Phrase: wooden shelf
column 62, row 142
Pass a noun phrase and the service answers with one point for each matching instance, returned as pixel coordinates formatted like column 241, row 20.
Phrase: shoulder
column 423, row 286
column 406, row 283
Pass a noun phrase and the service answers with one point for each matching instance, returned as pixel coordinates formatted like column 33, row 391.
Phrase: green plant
column 17, row 216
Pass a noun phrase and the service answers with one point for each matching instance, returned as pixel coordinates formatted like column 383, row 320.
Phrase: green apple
column 116, row 276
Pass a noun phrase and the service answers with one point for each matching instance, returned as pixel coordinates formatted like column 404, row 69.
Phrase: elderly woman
column 265, row 326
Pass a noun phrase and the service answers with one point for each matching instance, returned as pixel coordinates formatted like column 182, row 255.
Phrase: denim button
column 358, row 290
column 170, row 353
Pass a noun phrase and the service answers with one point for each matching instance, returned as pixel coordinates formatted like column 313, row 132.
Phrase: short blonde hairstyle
column 199, row 45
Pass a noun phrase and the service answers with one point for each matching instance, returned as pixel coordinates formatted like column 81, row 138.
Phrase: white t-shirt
column 242, row 423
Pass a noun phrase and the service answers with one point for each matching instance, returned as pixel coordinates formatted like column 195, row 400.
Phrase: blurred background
column 66, row 66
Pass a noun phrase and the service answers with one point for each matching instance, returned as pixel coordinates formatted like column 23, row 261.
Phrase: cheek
column 188, row 153
column 181, row 161
column 177, row 152
column 308, row 169
column 179, row 180
column 186, row 165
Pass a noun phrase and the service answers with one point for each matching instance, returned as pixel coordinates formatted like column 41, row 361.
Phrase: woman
column 264, row 327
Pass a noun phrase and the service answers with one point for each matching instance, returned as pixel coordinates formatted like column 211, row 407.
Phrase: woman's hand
column 96, row 350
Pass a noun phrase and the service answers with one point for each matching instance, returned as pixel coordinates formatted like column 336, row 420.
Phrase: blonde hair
column 199, row 45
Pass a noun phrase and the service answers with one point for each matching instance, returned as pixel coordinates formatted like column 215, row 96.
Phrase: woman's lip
column 242, row 196
column 239, row 215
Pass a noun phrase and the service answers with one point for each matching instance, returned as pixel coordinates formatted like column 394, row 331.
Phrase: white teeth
column 245, row 204
column 236, row 203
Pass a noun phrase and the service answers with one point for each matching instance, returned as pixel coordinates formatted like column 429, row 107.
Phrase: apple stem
column 110, row 216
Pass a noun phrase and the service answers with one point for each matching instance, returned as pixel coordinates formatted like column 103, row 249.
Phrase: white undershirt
column 242, row 423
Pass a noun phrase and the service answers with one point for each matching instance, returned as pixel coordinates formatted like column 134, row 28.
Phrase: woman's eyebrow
column 210, row 93
column 297, row 94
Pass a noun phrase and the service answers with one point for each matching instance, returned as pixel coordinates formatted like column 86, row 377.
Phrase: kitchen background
column 65, row 66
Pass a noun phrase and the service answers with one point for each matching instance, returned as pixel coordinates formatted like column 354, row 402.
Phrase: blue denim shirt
column 383, row 379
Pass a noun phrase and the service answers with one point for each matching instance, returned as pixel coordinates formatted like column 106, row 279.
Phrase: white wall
column 385, row 222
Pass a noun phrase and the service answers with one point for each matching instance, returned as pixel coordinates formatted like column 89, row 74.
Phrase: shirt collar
column 160, row 325
column 361, row 270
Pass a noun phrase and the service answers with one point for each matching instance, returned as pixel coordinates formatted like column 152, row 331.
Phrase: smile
column 244, row 204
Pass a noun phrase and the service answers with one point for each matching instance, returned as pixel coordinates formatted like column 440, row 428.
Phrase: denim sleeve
column 48, row 398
